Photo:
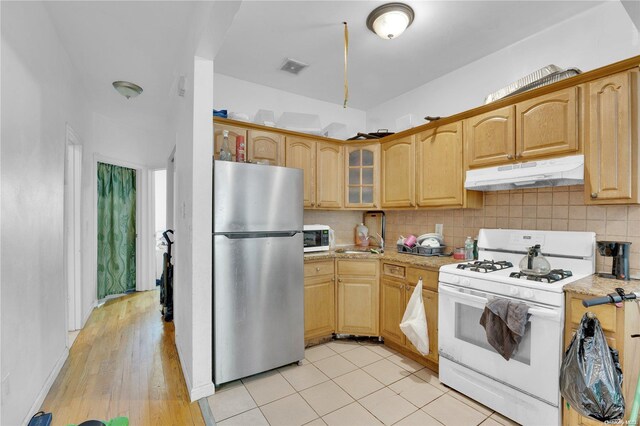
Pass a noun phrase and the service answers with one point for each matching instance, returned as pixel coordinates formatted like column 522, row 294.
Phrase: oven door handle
column 464, row 296
column 537, row 312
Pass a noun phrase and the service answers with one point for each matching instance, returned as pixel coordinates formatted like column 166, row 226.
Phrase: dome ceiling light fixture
column 390, row 20
column 127, row 89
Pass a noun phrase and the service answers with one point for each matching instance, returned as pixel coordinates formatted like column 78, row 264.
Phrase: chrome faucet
column 381, row 242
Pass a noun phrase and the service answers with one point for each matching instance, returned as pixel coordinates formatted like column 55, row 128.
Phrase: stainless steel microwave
column 316, row 238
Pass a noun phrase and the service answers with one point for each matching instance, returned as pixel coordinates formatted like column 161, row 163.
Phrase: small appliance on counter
column 317, row 238
column 619, row 250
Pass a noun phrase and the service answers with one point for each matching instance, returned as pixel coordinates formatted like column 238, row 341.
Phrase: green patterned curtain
column 116, row 230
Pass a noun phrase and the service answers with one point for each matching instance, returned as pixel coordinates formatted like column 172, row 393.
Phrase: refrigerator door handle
column 240, row 235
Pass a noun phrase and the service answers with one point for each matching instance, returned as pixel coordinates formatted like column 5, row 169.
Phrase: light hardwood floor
column 124, row 363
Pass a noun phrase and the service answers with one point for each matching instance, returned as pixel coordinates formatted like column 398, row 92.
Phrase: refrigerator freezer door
column 252, row 197
column 258, row 304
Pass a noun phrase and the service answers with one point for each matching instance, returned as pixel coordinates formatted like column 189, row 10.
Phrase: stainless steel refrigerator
column 258, row 305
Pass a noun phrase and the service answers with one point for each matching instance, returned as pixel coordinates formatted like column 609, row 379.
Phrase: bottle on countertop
column 475, row 248
column 468, row 249
column 225, row 152
column 362, row 235
column 240, row 149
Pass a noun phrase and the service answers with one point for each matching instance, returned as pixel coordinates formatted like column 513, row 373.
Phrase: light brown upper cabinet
column 218, row 137
column 301, row 154
column 548, row 125
column 397, row 172
column 266, row 147
column 330, row 187
column 439, row 166
column 490, row 137
column 362, row 164
column 611, row 175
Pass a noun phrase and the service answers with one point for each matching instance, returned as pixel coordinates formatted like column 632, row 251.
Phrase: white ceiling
column 137, row 41
column 444, row 36
column 140, row 41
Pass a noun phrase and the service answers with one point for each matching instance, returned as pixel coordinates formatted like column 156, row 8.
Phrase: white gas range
column 525, row 388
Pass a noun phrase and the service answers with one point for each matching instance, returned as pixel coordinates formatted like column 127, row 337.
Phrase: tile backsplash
column 557, row 209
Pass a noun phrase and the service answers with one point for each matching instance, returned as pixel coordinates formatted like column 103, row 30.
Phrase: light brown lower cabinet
column 618, row 324
column 357, row 301
column 397, row 285
column 319, row 299
column 392, row 307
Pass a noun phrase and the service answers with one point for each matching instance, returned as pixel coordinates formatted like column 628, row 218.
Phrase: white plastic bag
column 414, row 321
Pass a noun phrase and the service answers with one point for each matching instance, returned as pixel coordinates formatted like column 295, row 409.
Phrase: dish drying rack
column 423, row 251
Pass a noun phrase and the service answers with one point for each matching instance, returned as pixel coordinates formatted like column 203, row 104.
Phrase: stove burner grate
column 553, row 275
column 485, row 266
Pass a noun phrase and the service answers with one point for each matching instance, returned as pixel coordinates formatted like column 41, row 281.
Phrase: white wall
column 192, row 218
column 237, row 95
column 595, row 38
column 40, row 94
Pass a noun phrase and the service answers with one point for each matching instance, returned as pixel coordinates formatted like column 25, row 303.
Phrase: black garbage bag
column 590, row 376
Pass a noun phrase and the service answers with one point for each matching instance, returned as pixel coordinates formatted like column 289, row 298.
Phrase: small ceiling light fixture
column 127, row 89
column 390, row 20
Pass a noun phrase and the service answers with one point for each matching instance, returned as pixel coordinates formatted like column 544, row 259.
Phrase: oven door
column 535, row 366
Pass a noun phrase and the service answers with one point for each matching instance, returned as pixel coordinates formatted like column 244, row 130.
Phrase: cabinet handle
column 339, row 280
column 318, row 204
column 313, row 204
column 594, row 195
column 317, row 269
column 509, row 156
column 333, row 279
column 419, row 278
column 518, row 155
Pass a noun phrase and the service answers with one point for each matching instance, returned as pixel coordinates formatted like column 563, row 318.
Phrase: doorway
column 72, row 230
column 116, row 231
column 160, row 219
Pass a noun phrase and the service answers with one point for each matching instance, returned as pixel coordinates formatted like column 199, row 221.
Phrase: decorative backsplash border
column 558, row 209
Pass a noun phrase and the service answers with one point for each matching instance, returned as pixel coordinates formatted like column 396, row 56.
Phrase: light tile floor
column 348, row 383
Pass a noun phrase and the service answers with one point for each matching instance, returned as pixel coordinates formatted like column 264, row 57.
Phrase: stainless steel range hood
column 533, row 174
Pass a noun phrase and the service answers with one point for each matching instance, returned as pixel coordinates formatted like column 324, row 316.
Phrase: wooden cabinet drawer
column 314, row 269
column 429, row 278
column 606, row 314
column 358, row 267
column 392, row 270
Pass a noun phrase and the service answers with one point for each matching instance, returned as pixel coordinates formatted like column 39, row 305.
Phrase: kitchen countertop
column 596, row 286
column 431, row 262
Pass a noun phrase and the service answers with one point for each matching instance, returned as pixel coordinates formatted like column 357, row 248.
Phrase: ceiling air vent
column 293, row 66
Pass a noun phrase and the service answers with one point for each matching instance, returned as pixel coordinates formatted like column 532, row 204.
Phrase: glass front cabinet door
column 362, row 176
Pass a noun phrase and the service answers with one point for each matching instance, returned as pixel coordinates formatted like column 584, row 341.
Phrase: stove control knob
column 466, row 282
column 514, row 291
column 455, row 279
column 528, row 293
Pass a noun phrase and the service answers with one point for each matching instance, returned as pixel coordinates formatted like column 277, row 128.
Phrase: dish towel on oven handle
column 414, row 321
column 504, row 321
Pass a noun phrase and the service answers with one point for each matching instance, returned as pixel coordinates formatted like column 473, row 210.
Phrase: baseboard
column 194, row 393
column 202, row 391
column 86, row 317
column 47, row 386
